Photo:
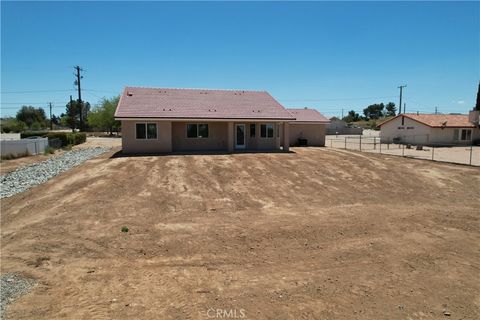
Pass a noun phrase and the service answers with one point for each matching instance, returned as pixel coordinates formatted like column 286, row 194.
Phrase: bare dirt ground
column 10, row 165
column 315, row 234
column 453, row 154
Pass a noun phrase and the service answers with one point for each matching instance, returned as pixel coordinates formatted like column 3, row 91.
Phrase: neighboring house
column 310, row 125
column 176, row 120
column 337, row 126
column 433, row 129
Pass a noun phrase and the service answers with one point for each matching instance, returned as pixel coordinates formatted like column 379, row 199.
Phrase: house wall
column 217, row 137
column 172, row 136
column 420, row 133
column 162, row 144
column 314, row 133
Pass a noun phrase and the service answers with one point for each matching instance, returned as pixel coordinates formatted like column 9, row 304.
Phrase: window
column 151, row 131
column 410, row 128
column 278, row 130
column 462, row 134
column 252, row 130
column 466, row 134
column 146, row 130
column 400, row 128
column 266, row 130
column 456, row 135
column 197, row 130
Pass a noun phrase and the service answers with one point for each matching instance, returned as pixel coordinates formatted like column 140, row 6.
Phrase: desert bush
column 49, row 150
column 66, row 138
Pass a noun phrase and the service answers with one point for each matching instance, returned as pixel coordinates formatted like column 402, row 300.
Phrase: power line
column 36, row 91
column 338, row 99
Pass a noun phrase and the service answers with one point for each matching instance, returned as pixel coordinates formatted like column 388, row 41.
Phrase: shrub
column 49, row 150
column 28, row 134
column 124, row 229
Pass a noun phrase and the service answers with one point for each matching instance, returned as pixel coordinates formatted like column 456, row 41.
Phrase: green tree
column 374, row 111
column 12, row 125
column 391, row 110
column 103, row 116
column 351, row 116
column 30, row 115
column 71, row 117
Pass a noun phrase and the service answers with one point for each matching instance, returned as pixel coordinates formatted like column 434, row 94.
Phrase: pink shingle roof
column 199, row 104
column 307, row 115
column 438, row 120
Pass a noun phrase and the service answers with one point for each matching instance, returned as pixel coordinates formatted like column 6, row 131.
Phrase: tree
column 102, row 116
column 12, row 125
column 477, row 105
column 30, row 116
column 351, row 116
column 374, row 111
column 391, row 110
column 71, row 118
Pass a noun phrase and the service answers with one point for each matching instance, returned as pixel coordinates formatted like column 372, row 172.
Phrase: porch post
column 286, row 137
column 230, row 137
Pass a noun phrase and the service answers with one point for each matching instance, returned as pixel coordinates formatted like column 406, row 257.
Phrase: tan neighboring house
column 158, row 120
column 430, row 129
column 309, row 125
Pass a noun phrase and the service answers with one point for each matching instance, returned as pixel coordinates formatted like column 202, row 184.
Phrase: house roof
column 199, row 104
column 307, row 115
column 437, row 120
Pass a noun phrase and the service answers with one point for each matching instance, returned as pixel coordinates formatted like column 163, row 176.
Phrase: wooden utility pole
column 51, row 123
column 400, row 104
column 77, row 82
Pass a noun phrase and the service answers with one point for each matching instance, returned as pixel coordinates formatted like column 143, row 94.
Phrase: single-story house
column 430, row 129
column 309, row 124
column 158, row 120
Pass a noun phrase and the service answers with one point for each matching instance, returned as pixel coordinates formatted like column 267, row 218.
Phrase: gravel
column 29, row 176
column 12, row 286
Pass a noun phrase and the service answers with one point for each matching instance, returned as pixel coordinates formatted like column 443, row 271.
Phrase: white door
column 239, row 136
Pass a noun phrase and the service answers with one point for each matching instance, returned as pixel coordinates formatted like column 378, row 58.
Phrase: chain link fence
column 462, row 154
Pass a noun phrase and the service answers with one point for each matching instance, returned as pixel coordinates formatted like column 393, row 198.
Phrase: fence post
column 331, row 143
column 360, row 143
column 388, row 143
column 380, row 146
column 433, row 152
column 471, row 151
column 374, row 143
column 403, row 150
column 345, row 143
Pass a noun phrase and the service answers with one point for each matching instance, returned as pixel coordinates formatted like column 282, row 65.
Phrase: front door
column 239, row 136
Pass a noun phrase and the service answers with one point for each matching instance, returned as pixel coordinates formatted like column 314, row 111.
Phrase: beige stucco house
column 430, row 129
column 158, row 120
column 309, row 125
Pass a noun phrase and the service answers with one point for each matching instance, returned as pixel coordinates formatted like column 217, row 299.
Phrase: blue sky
column 326, row 55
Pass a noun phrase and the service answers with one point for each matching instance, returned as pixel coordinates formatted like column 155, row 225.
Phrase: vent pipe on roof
column 129, row 94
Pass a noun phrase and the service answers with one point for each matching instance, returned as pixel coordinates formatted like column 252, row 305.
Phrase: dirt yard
column 314, row 234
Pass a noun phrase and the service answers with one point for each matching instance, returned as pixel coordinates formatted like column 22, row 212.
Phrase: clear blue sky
column 324, row 55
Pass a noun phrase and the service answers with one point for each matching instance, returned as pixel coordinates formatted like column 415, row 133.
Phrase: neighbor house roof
column 307, row 115
column 437, row 120
column 199, row 104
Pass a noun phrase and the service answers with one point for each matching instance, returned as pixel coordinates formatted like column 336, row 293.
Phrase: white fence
column 23, row 147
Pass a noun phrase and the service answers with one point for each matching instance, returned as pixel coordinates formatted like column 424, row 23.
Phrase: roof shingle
column 199, row 104
column 307, row 115
column 438, row 120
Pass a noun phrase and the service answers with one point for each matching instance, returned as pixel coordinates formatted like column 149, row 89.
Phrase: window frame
column 197, row 124
column 146, row 131
column 254, row 126
column 266, row 130
column 468, row 135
